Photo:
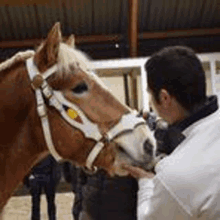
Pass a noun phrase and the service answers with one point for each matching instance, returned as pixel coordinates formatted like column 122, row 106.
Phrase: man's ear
column 165, row 98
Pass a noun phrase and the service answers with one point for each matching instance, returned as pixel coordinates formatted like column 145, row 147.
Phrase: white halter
column 56, row 99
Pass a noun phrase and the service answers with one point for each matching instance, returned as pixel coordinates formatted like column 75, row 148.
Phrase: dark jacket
column 110, row 198
column 46, row 168
column 74, row 175
column 100, row 196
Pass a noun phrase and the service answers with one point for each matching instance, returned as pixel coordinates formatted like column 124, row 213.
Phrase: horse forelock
column 20, row 56
column 71, row 57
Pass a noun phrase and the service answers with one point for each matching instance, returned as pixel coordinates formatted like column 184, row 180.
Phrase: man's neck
column 176, row 113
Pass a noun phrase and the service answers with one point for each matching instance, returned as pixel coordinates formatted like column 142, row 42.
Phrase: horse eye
column 80, row 88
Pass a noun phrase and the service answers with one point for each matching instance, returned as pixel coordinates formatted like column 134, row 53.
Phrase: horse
column 53, row 102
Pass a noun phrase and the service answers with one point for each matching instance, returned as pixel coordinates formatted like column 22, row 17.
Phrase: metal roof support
column 79, row 40
column 180, row 33
column 116, row 38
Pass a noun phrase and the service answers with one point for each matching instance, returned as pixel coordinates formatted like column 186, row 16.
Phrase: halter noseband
column 56, row 99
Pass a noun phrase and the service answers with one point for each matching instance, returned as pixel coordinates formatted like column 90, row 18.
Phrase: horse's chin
column 123, row 158
column 118, row 171
column 120, row 160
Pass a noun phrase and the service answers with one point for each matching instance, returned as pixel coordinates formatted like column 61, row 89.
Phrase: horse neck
column 18, row 146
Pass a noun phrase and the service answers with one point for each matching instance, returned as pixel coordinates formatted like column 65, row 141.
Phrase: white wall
column 116, row 84
column 208, row 82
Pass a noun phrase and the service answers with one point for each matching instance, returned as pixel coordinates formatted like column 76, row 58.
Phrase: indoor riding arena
column 117, row 37
column 19, row 206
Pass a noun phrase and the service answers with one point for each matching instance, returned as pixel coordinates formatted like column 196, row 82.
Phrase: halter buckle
column 91, row 171
column 105, row 138
column 37, row 81
column 42, row 112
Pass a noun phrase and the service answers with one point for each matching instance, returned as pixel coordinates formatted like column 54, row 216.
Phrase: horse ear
column 48, row 51
column 53, row 39
column 71, row 41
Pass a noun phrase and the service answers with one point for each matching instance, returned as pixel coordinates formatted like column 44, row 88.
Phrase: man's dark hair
column 178, row 70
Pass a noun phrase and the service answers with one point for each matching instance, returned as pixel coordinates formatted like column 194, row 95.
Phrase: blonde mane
column 20, row 56
column 67, row 56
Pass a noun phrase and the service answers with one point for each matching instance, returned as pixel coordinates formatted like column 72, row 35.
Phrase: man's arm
column 154, row 200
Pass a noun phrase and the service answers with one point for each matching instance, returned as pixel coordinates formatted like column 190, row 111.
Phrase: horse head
column 81, row 120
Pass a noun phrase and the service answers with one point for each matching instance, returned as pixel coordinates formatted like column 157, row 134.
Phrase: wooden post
column 133, row 89
column 127, row 100
column 133, row 27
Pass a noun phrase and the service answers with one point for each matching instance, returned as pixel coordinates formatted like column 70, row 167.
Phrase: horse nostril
column 148, row 147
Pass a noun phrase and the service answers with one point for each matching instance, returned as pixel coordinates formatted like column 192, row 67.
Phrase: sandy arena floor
column 19, row 207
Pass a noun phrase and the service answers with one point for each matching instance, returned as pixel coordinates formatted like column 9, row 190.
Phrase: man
column 77, row 177
column 44, row 176
column 187, row 182
column 107, row 198
column 97, row 196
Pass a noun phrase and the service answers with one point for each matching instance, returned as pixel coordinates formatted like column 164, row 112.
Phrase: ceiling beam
column 78, row 39
column 180, row 33
column 133, row 27
column 24, row 2
column 117, row 37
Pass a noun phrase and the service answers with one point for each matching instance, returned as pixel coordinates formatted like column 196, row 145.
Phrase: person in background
column 43, row 176
column 109, row 198
column 186, row 184
column 77, row 178
column 97, row 196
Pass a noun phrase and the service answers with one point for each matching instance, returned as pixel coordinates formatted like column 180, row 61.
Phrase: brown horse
column 51, row 101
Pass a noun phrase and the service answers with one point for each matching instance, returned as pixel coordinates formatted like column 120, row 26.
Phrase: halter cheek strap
column 41, row 109
column 56, row 99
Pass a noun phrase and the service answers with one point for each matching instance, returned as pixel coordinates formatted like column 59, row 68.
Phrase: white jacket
column 187, row 183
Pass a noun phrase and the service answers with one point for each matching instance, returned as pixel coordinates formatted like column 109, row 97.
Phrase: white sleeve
column 155, row 202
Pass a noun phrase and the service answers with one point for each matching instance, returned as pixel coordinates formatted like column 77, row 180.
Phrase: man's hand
column 137, row 172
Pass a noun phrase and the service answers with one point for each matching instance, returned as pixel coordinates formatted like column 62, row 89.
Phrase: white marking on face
column 132, row 144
